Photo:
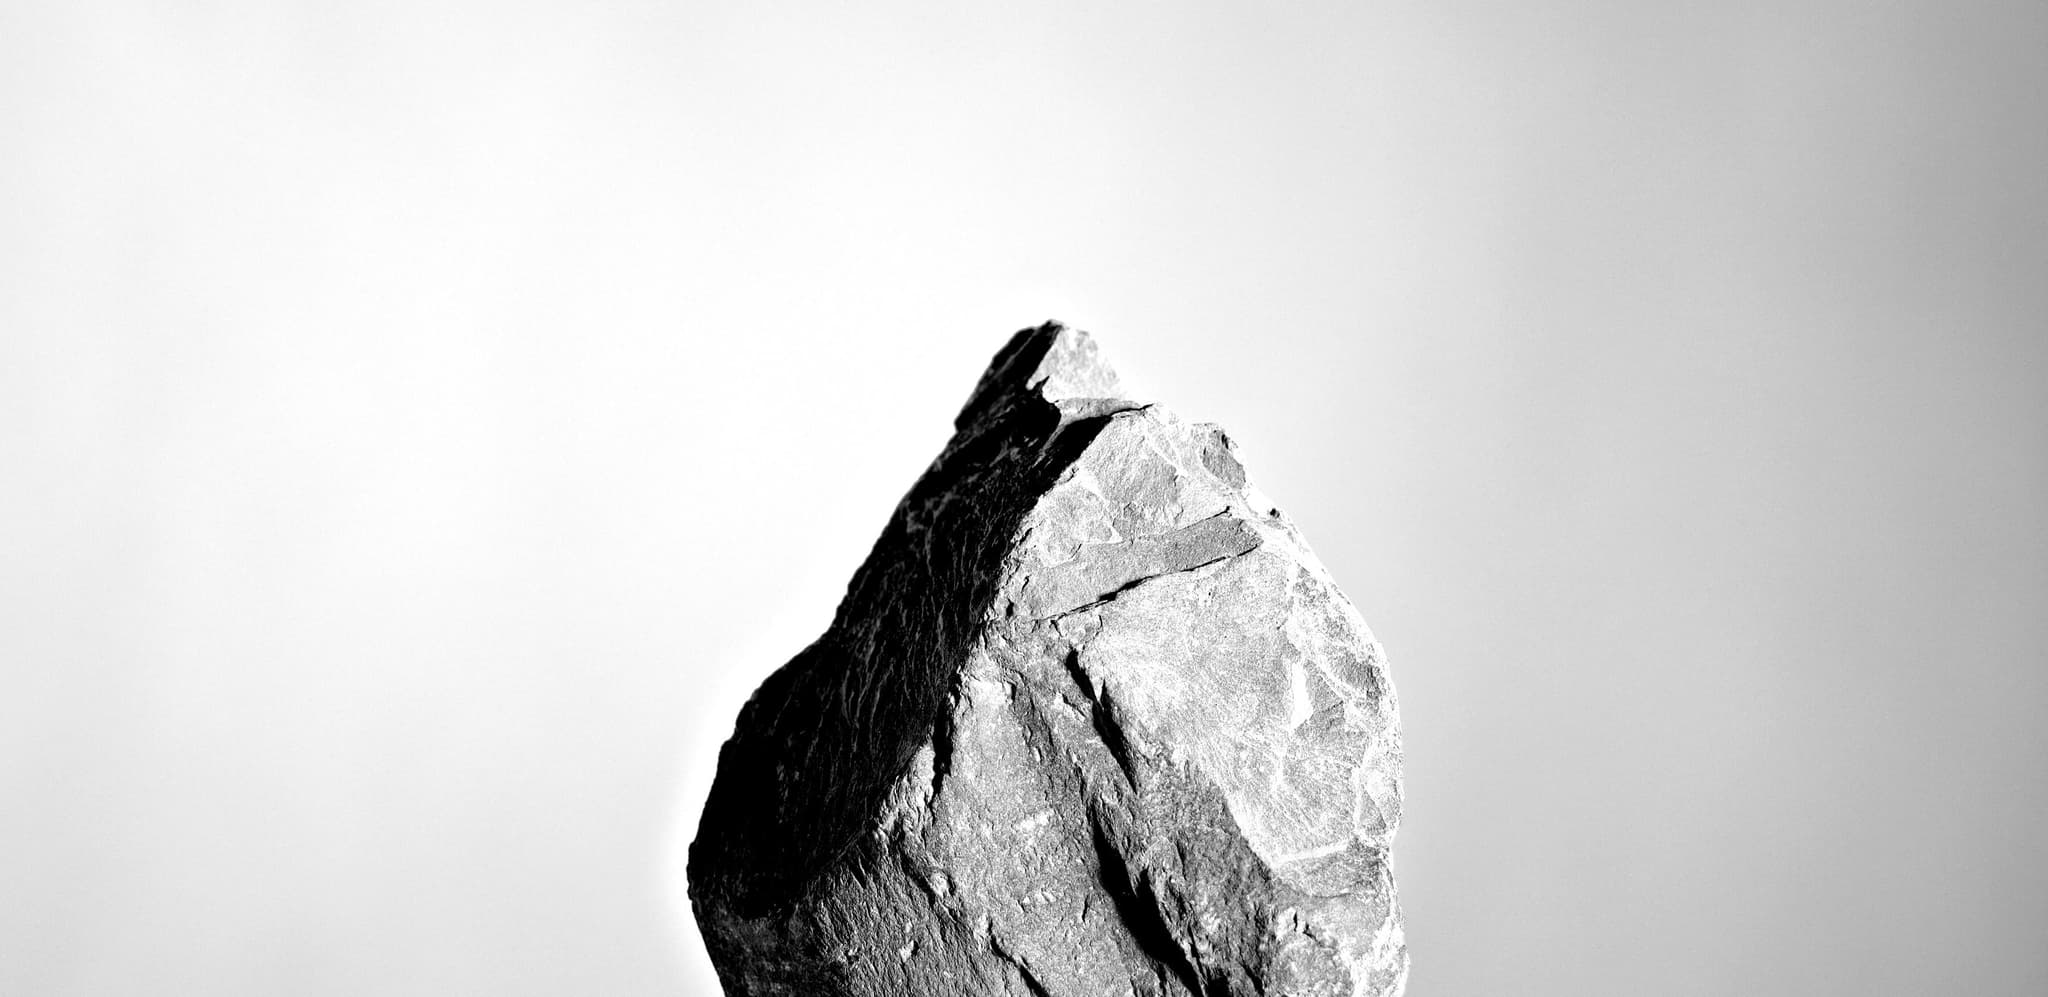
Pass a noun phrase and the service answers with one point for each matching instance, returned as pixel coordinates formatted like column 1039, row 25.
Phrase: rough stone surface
column 1091, row 720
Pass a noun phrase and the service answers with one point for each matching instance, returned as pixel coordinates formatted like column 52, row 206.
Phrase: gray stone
column 1091, row 720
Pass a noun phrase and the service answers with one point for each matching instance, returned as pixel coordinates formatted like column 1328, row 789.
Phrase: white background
column 422, row 424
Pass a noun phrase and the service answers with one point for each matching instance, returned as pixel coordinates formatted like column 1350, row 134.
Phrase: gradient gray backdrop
column 423, row 423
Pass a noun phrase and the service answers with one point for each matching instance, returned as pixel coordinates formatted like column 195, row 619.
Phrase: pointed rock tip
column 1051, row 359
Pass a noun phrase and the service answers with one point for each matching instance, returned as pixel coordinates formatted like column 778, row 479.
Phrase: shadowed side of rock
column 1090, row 720
column 819, row 743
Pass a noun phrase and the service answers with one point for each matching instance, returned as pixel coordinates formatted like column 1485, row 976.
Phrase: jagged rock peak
column 1052, row 360
column 1091, row 721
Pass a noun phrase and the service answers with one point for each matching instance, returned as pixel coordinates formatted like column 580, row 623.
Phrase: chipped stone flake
column 1092, row 720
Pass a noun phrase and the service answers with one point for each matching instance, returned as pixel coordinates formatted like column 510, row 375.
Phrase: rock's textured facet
column 1091, row 720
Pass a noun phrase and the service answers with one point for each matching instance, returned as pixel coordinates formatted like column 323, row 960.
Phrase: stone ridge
column 1092, row 721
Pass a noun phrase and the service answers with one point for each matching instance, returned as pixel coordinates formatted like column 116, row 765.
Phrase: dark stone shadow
column 820, row 743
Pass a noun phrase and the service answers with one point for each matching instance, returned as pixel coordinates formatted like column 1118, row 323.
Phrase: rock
column 1091, row 720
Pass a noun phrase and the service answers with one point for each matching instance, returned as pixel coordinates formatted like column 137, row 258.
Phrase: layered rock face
column 1091, row 720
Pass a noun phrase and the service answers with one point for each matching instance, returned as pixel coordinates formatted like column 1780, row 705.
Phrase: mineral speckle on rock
column 1091, row 720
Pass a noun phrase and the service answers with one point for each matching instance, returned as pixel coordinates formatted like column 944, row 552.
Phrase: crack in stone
column 1140, row 917
column 1101, row 572
column 1024, row 973
column 1099, row 714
